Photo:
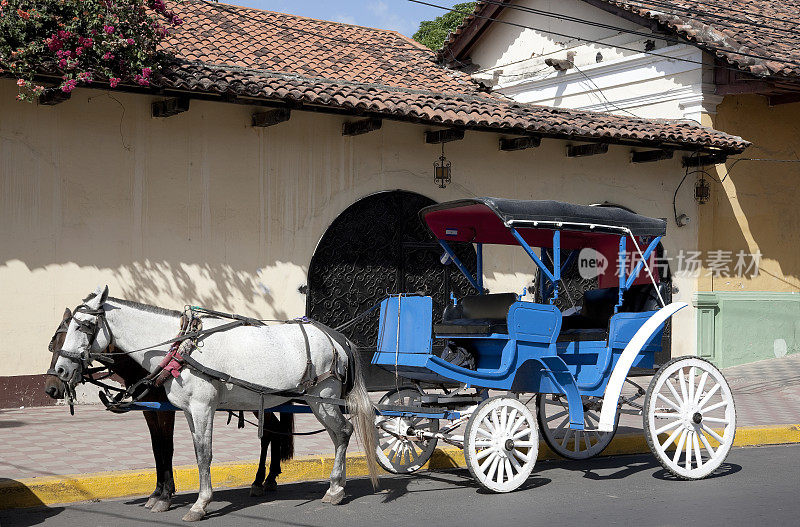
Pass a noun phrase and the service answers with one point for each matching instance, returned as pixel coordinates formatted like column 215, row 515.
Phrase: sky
column 397, row 15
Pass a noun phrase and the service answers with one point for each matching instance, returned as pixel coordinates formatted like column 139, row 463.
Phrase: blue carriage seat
column 477, row 315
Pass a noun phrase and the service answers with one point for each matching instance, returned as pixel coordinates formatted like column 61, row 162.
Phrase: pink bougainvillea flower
column 20, row 82
column 113, row 81
column 68, row 85
column 130, row 42
column 108, row 29
column 146, row 72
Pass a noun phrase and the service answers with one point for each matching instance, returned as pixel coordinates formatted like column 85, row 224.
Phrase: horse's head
column 53, row 386
column 87, row 336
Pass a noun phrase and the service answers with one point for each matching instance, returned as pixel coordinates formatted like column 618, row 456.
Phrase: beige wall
column 201, row 208
column 755, row 208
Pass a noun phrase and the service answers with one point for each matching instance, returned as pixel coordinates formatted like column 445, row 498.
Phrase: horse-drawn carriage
column 574, row 363
column 577, row 364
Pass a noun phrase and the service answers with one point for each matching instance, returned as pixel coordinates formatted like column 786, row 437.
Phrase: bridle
column 89, row 328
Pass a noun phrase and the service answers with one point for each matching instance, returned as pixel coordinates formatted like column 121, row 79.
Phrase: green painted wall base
column 737, row 327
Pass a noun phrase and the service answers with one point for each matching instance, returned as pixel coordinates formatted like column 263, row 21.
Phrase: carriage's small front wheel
column 553, row 416
column 400, row 450
column 501, row 443
column 689, row 405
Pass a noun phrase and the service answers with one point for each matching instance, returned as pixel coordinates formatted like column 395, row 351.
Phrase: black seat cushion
column 582, row 334
column 477, row 315
column 470, row 326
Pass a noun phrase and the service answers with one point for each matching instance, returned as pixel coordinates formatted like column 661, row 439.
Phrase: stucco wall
column 201, row 208
column 755, row 208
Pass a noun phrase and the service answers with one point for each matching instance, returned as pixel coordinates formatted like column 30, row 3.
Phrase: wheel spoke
column 522, row 433
column 484, row 433
column 663, row 446
column 678, row 450
column 487, row 422
column 522, row 457
column 495, row 423
column 509, row 472
column 668, row 402
column 715, row 406
column 524, row 444
column 512, row 420
column 577, row 444
column 708, row 396
column 566, row 437
column 712, row 433
column 665, row 415
column 493, row 468
column 706, row 444
column 668, row 426
column 682, row 385
column 716, row 420
column 699, row 393
column 697, row 457
column 503, row 417
column 671, row 388
column 482, row 454
column 689, row 437
column 501, row 471
column 488, row 461
column 556, row 416
column 514, row 463
column 563, row 424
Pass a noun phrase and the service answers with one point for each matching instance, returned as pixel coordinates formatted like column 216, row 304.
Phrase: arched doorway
column 379, row 246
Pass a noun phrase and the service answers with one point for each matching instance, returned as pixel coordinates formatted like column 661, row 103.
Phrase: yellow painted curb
column 51, row 490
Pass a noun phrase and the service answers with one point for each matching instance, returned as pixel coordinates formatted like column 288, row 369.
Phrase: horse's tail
column 363, row 411
column 287, row 438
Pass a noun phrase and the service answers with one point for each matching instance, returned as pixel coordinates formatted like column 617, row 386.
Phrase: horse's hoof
column 161, row 505
column 334, row 499
column 256, row 490
column 150, row 502
column 271, row 485
column 193, row 516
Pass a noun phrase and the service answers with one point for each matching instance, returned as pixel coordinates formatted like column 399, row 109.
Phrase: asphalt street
column 756, row 486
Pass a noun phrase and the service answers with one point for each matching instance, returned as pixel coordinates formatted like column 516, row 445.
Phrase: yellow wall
column 201, row 208
column 756, row 207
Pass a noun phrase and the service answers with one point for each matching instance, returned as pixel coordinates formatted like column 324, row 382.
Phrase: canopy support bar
column 645, row 256
column 461, row 266
column 535, row 258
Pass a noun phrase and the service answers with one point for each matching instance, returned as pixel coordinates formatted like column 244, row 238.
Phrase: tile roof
column 761, row 37
column 229, row 50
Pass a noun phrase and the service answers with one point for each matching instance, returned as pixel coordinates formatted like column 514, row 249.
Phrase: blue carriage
column 576, row 362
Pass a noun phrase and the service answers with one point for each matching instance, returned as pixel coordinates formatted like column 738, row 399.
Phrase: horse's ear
column 67, row 314
column 103, row 296
column 99, row 298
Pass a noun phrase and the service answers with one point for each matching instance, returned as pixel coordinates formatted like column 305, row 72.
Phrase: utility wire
column 568, row 18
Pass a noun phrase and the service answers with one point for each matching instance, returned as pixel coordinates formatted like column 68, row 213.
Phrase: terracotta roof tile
column 247, row 52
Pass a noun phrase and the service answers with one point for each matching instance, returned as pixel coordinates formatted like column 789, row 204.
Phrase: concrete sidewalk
column 47, row 442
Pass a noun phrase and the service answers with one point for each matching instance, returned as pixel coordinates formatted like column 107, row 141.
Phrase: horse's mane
column 138, row 305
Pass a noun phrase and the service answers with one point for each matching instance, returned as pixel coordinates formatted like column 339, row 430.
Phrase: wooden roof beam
column 170, row 107
column 443, row 136
column 591, row 149
column 519, row 143
column 649, row 156
column 362, row 126
column 271, row 117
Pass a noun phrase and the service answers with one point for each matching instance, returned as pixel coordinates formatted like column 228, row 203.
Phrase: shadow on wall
column 762, row 197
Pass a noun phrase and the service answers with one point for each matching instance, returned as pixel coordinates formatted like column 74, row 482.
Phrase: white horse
column 271, row 356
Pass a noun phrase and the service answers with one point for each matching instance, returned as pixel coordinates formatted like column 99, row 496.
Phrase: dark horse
column 162, row 425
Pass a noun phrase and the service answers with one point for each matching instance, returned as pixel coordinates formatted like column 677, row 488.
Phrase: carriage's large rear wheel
column 553, row 416
column 397, row 452
column 501, row 444
column 689, row 405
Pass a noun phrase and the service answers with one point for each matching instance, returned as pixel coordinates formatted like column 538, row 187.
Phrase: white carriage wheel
column 395, row 451
column 501, row 443
column 553, row 416
column 690, row 405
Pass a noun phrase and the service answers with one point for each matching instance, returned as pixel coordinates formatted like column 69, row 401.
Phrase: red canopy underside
column 479, row 224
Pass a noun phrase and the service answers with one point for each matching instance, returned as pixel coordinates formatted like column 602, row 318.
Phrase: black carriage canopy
column 484, row 220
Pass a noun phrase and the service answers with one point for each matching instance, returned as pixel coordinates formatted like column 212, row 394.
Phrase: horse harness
column 190, row 336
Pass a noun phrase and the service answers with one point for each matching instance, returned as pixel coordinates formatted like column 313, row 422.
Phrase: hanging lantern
column 441, row 170
column 702, row 191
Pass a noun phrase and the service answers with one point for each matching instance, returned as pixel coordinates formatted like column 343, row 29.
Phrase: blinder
column 89, row 328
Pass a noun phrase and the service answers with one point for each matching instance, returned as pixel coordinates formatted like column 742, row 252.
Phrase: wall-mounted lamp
column 441, row 170
column 702, row 191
